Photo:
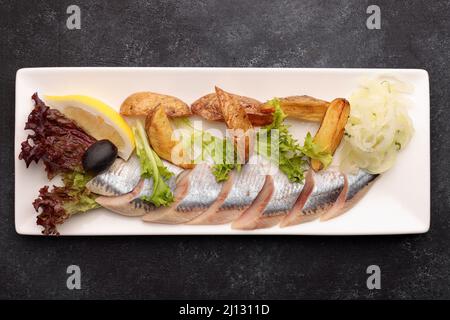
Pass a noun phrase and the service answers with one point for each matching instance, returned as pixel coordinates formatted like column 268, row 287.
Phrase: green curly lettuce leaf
column 220, row 151
column 291, row 160
column 314, row 151
column 152, row 167
column 57, row 205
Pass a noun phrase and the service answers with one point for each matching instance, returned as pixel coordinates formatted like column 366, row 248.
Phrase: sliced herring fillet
column 209, row 216
column 358, row 185
column 269, row 211
column 120, row 178
column 201, row 191
column 130, row 204
column 324, row 192
column 246, row 186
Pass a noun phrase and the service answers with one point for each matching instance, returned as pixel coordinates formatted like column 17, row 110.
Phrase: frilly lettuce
column 152, row 167
column 314, row 151
column 61, row 203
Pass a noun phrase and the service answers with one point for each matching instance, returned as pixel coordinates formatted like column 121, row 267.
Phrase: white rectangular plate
column 399, row 202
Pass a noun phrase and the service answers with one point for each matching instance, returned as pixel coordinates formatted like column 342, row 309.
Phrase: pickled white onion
column 378, row 127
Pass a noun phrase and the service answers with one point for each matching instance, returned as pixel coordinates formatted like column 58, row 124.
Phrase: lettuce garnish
column 152, row 167
column 211, row 147
column 61, row 203
column 293, row 158
column 314, row 151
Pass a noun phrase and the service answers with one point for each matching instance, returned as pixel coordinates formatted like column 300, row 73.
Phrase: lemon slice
column 97, row 119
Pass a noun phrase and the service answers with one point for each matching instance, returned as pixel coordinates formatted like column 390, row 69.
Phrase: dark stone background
column 414, row 34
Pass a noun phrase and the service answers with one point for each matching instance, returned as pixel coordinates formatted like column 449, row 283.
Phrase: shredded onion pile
column 378, row 126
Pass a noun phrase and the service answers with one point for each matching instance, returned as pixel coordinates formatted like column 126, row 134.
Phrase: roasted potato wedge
column 331, row 130
column 159, row 132
column 208, row 107
column 304, row 108
column 143, row 103
column 259, row 119
column 237, row 119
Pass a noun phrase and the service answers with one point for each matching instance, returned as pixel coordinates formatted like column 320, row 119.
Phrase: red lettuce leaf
column 60, row 143
column 56, row 140
column 59, row 204
column 52, row 212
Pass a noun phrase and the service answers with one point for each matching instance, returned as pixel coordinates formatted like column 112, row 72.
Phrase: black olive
column 99, row 156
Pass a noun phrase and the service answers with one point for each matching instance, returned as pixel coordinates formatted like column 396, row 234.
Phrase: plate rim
column 422, row 226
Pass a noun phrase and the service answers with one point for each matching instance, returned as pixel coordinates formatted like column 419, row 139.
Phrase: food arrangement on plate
column 151, row 160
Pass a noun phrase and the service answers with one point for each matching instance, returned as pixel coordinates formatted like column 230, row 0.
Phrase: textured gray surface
column 414, row 34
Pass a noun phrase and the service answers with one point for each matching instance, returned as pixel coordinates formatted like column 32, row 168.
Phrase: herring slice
column 209, row 216
column 246, row 186
column 120, row 178
column 253, row 212
column 127, row 204
column 200, row 192
column 131, row 204
column 324, row 193
column 358, row 185
column 269, row 213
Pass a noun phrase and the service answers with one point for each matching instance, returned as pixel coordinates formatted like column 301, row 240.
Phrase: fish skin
column 120, row 178
column 202, row 191
column 325, row 192
column 181, row 189
column 127, row 204
column 247, row 219
column 284, row 198
column 248, row 183
column 245, row 188
column 145, row 206
column 359, row 184
column 131, row 204
column 286, row 193
column 281, row 201
column 209, row 216
column 147, row 189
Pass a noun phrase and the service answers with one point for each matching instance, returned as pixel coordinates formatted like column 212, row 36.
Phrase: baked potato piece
column 233, row 113
column 304, row 108
column 259, row 119
column 143, row 103
column 236, row 119
column 159, row 132
column 331, row 130
column 208, row 108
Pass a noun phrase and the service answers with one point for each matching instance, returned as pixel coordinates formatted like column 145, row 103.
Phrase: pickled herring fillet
column 324, row 192
column 278, row 197
column 246, row 184
column 202, row 190
column 120, row 178
column 359, row 184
